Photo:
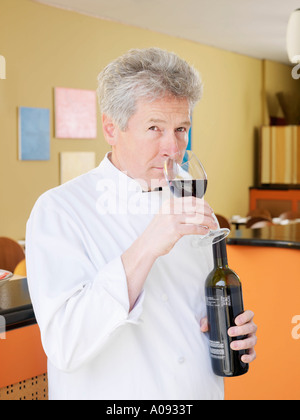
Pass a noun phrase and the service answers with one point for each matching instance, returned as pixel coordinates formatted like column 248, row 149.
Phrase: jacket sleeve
column 77, row 306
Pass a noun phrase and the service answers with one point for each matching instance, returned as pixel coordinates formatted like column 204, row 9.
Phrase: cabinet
column 276, row 201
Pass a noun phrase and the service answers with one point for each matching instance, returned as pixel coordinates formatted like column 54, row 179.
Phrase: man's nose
column 170, row 144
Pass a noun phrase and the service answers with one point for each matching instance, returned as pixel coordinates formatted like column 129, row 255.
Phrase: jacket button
column 164, row 297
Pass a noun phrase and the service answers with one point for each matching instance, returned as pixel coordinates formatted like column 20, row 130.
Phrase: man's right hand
column 178, row 217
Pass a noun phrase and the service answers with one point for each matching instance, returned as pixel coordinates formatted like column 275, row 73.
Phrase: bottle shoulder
column 222, row 276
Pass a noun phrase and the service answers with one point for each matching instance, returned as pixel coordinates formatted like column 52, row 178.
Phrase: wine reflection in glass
column 186, row 177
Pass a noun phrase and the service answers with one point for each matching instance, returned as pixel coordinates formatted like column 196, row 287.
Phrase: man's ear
column 109, row 130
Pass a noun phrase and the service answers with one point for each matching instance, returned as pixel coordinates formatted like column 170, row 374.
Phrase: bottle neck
column 220, row 254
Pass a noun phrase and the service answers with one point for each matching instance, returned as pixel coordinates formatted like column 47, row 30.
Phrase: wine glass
column 186, row 176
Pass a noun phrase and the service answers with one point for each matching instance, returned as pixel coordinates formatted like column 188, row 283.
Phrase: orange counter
column 23, row 363
column 21, row 355
column 271, row 288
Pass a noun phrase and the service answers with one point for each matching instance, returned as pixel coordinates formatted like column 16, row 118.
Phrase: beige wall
column 47, row 47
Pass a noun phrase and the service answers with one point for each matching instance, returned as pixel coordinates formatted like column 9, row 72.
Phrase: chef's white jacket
column 96, row 348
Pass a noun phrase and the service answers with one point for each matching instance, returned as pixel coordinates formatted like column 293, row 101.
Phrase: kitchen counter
column 279, row 236
column 21, row 351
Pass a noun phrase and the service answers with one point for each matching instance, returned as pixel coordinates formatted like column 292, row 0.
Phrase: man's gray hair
column 145, row 73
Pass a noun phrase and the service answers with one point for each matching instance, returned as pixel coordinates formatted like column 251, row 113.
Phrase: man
column 115, row 279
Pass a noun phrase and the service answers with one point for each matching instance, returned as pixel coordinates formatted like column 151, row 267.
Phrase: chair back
column 223, row 222
column 258, row 222
column 290, row 215
column 260, row 213
column 11, row 253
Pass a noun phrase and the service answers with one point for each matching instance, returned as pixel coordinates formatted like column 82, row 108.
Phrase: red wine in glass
column 186, row 177
column 187, row 188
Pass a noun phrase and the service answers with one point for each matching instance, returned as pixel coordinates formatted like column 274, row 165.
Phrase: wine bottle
column 224, row 302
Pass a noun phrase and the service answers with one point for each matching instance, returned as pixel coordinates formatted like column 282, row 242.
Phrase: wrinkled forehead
column 167, row 108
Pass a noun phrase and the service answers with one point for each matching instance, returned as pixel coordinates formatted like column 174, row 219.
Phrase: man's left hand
column 244, row 326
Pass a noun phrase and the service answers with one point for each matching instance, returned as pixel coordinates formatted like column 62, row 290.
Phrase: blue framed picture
column 189, row 146
column 34, row 133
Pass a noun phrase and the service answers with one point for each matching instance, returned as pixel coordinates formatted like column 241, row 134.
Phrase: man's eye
column 181, row 129
column 153, row 128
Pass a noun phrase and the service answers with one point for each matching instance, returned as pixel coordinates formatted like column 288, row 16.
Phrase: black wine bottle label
column 224, row 304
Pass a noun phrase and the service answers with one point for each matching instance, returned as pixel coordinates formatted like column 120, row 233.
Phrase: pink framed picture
column 75, row 113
